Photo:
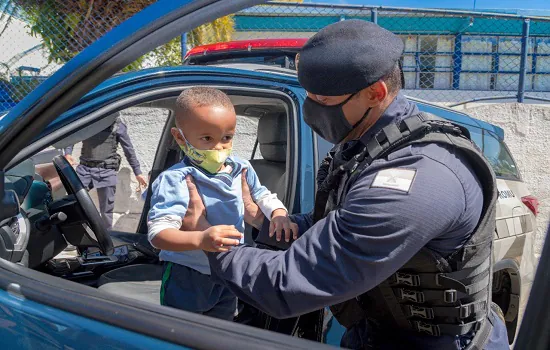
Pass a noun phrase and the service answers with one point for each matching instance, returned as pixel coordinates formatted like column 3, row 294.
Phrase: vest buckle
column 411, row 295
column 450, row 296
column 465, row 311
column 419, row 311
column 423, row 327
column 408, row 279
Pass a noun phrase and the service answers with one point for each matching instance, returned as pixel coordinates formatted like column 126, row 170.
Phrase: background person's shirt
column 124, row 140
column 222, row 197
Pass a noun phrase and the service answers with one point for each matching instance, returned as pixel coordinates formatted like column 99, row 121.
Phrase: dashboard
column 26, row 235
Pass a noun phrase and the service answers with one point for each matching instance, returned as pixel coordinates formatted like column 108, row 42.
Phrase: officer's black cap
column 346, row 57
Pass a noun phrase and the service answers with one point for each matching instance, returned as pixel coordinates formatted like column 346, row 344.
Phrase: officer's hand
column 280, row 222
column 252, row 213
column 195, row 216
column 141, row 181
column 70, row 159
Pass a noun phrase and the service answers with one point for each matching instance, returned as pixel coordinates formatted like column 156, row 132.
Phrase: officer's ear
column 375, row 94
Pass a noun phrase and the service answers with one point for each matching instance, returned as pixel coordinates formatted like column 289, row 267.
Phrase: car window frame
column 293, row 154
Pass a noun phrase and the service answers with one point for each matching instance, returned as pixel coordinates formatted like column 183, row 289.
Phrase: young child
column 205, row 125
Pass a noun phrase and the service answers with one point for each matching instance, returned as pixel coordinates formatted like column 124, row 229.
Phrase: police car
column 106, row 294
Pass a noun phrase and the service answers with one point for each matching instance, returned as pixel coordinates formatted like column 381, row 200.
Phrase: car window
column 323, row 147
column 476, row 134
column 244, row 141
column 499, row 157
column 113, row 181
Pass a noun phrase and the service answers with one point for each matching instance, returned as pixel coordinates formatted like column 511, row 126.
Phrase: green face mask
column 210, row 160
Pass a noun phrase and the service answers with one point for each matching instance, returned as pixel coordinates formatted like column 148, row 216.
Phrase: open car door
column 41, row 311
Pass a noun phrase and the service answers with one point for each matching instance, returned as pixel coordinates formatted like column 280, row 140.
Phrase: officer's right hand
column 195, row 216
column 220, row 238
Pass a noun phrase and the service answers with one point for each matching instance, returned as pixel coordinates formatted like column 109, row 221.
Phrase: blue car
column 104, row 294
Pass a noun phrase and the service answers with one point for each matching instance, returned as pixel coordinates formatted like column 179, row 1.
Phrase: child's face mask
column 210, row 160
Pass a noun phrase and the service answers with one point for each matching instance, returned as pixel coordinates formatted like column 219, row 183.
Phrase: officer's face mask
column 329, row 121
column 210, row 160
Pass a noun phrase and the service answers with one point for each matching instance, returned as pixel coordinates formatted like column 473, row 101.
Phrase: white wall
column 527, row 134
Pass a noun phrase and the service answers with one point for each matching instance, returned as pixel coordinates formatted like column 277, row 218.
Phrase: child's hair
column 199, row 97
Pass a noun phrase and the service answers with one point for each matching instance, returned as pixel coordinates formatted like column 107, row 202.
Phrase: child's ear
column 175, row 132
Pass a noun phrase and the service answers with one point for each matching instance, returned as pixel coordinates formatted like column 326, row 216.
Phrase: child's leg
column 187, row 289
column 226, row 307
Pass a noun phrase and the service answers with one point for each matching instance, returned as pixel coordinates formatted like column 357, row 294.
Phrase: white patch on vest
column 396, row 179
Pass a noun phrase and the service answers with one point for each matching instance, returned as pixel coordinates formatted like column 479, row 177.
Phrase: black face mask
column 329, row 121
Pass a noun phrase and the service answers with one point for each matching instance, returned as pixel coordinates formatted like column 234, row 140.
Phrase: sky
column 451, row 4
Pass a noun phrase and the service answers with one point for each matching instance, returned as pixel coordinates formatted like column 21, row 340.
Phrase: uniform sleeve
column 375, row 232
column 124, row 139
column 266, row 201
column 304, row 221
column 169, row 201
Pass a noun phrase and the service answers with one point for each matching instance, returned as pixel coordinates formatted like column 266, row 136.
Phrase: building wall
column 527, row 134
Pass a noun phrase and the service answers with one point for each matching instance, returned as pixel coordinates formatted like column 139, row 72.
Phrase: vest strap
column 428, row 279
column 477, row 308
column 444, row 328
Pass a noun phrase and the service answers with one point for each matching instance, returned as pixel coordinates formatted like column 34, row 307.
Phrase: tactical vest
column 100, row 150
column 430, row 294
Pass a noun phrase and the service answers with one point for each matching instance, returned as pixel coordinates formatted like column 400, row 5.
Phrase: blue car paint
column 25, row 324
column 129, row 84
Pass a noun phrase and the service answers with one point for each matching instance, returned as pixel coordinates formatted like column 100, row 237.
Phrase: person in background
column 100, row 162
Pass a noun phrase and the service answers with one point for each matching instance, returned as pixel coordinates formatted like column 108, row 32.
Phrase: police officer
column 100, row 162
column 399, row 243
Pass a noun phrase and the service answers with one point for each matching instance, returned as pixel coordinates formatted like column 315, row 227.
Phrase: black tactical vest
column 430, row 294
column 100, row 150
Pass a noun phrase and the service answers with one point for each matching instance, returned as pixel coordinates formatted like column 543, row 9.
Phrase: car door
column 40, row 311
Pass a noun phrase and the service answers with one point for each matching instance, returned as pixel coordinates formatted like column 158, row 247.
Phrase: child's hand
column 281, row 222
column 220, row 238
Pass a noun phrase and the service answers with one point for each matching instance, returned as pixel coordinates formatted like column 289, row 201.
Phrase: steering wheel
column 74, row 186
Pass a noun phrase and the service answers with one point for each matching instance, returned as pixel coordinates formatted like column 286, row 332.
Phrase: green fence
column 450, row 56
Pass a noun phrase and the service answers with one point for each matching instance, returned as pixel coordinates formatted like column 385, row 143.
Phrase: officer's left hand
column 141, row 181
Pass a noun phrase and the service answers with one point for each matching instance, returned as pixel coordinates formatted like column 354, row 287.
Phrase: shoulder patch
column 396, row 179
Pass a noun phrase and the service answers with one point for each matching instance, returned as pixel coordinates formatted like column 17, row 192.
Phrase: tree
column 221, row 29
column 68, row 27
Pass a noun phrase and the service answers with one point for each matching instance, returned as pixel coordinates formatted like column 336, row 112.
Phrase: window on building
column 509, row 63
column 477, row 62
column 428, row 62
column 409, row 61
column 541, row 81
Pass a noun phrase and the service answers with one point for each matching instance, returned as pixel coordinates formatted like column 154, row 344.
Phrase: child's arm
column 215, row 239
column 169, row 203
column 271, row 206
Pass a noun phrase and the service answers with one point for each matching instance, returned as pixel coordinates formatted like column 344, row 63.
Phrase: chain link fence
column 450, row 56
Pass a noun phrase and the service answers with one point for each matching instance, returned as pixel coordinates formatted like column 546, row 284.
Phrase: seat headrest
column 272, row 131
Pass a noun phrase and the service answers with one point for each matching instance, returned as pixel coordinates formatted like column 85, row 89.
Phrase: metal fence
column 450, row 56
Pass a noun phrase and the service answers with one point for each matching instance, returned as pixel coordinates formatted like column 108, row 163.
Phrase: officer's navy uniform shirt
column 373, row 233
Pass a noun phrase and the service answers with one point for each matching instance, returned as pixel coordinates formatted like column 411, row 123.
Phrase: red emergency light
column 247, row 45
